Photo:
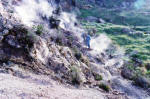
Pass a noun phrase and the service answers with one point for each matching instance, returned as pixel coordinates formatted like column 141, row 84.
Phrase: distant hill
column 122, row 12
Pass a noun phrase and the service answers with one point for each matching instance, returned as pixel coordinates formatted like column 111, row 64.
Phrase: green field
column 138, row 41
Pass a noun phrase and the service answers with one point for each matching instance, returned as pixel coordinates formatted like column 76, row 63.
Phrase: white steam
column 139, row 3
column 100, row 43
column 29, row 10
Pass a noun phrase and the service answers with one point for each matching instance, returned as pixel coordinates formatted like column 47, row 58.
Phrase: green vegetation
column 130, row 17
column 38, row 29
column 98, row 77
column 76, row 75
column 142, row 81
column 126, row 27
column 59, row 41
column 148, row 73
column 104, row 87
column 136, row 43
column 78, row 55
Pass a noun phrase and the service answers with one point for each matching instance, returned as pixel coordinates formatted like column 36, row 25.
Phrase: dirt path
column 41, row 87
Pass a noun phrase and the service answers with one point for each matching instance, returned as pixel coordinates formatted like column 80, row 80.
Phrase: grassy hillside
column 135, row 41
column 115, row 11
column 128, row 28
column 119, row 17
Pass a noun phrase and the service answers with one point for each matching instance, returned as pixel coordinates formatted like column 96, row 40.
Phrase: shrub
column 76, row 75
column 142, row 82
column 59, row 41
column 147, row 66
column 98, row 77
column 38, row 29
column 78, row 55
column 104, row 87
column 148, row 73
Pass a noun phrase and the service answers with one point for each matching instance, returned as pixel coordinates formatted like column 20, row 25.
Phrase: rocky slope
column 51, row 62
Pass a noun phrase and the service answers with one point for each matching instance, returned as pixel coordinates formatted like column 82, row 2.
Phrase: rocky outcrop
column 142, row 81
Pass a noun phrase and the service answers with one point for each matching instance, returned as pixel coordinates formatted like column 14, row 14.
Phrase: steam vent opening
column 75, row 49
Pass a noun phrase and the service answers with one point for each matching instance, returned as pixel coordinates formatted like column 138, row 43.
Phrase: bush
column 76, row 77
column 78, row 55
column 38, row 29
column 147, row 66
column 104, row 87
column 148, row 73
column 98, row 77
column 59, row 41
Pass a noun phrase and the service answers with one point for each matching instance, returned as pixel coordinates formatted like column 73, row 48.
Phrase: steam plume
column 30, row 12
column 100, row 43
column 139, row 3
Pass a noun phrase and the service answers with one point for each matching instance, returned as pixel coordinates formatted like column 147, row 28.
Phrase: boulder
column 54, row 22
column 138, row 62
column 5, row 32
column 142, row 82
column 12, row 41
column 1, row 24
column 92, row 19
column 148, row 66
column 86, row 6
column 100, row 21
column 1, row 38
column 127, row 73
column 127, row 30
